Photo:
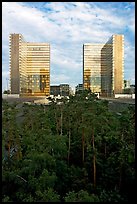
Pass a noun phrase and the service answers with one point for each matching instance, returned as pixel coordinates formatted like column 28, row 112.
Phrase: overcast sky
column 67, row 26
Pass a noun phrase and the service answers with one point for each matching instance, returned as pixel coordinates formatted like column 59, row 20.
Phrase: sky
column 67, row 26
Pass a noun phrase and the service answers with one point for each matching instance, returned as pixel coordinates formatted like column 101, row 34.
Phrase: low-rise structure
column 55, row 90
column 78, row 88
column 62, row 90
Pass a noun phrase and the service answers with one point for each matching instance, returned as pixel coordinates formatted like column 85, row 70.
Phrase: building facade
column 29, row 67
column 103, row 66
column 126, row 84
column 62, row 90
column 79, row 88
column 92, row 67
column 55, row 90
column 15, row 42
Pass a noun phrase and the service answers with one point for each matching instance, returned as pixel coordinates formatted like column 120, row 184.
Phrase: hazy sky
column 67, row 26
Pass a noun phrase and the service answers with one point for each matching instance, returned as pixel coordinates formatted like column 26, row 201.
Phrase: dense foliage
column 76, row 151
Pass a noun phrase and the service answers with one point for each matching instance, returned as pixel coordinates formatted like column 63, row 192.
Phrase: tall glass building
column 29, row 67
column 103, row 66
column 92, row 67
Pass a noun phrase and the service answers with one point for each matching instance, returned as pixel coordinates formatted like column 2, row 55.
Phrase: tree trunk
column 61, row 122
column 121, row 168
column 69, row 147
column 83, row 144
column 94, row 160
column 105, row 149
column 9, row 150
column 57, row 129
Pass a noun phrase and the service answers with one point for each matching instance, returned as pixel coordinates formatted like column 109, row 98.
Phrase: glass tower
column 103, row 66
column 29, row 67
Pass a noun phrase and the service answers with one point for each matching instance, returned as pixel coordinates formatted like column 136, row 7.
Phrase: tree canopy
column 77, row 151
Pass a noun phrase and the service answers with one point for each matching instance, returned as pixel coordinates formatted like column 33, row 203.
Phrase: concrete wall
column 10, row 95
column 123, row 95
column 133, row 96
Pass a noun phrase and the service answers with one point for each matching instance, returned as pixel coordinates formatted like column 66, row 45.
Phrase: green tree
column 81, row 196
